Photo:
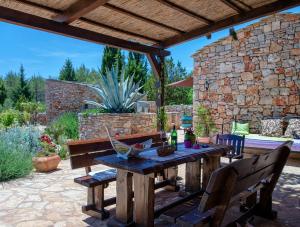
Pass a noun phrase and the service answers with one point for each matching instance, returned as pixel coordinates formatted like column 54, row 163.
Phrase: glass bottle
column 174, row 137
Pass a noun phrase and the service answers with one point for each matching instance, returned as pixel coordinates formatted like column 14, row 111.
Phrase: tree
column 37, row 88
column 112, row 57
column 11, row 81
column 67, row 72
column 173, row 95
column 3, row 94
column 85, row 75
column 137, row 67
column 21, row 91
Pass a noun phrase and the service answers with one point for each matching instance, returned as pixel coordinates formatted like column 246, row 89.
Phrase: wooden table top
column 145, row 164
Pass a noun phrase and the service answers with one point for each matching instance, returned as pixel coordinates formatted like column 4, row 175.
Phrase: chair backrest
column 237, row 143
column 237, row 177
column 83, row 152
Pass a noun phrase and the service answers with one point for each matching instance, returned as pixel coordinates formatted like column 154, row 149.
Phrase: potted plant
column 205, row 125
column 47, row 159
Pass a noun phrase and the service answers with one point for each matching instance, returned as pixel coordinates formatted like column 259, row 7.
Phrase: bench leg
column 95, row 205
column 265, row 205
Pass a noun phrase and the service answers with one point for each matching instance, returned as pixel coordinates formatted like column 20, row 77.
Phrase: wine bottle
column 174, row 137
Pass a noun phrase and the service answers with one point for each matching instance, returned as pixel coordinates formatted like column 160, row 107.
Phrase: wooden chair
column 237, row 143
column 82, row 155
column 239, row 181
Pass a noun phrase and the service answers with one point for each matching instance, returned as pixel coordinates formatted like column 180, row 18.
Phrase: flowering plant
column 49, row 148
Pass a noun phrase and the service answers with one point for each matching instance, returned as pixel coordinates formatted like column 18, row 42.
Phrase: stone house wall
column 93, row 125
column 64, row 96
column 253, row 77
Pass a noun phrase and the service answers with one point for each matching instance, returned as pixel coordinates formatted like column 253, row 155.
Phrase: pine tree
column 21, row 91
column 112, row 57
column 3, row 94
column 67, row 72
column 137, row 67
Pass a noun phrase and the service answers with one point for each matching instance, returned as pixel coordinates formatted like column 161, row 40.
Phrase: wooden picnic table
column 141, row 170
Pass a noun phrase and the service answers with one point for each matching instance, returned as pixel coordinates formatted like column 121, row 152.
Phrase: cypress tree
column 137, row 67
column 112, row 57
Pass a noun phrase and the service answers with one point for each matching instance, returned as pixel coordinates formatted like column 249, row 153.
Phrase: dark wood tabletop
column 146, row 166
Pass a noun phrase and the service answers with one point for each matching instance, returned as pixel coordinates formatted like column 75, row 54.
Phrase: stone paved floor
column 55, row 200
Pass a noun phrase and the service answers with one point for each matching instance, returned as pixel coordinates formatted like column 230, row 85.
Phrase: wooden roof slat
column 120, row 30
column 94, row 23
column 233, row 20
column 78, row 9
column 234, row 6
column 185, row 11
column 28, row 20
column 144, row 19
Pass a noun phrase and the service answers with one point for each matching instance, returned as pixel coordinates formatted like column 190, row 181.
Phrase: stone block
column 240, row 100
column 247, row 76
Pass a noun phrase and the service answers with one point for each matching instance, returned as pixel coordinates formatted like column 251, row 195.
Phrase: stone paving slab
column 53, row 199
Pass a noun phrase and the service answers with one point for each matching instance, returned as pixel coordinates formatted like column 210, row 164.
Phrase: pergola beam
column 31, row 21
column 141, row 18
column 233, row 20
column 78, row 9
column 185, row 11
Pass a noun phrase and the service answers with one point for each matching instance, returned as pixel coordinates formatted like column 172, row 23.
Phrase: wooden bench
column 239, row 182
column 82, row 155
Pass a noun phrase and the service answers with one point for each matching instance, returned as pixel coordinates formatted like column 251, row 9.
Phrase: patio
column 55, row 200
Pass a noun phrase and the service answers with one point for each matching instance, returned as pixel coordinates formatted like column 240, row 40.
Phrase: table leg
column 144, row 199
column 124, row 204
column 210, row 163
column 171, row 174
column 193, row 176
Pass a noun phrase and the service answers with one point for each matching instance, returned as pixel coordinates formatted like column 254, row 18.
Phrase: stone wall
column 64, row 96
column 253, row 77
column 92, row 126
column 182, row 109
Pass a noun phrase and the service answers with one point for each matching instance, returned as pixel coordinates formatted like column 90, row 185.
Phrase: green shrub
column 65, row 125
column 63, row 128
column 87, row 112
column 17, row 146
column 10, row 117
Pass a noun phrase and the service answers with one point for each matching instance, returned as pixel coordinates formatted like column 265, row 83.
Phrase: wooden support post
column 157, row 64
column 210, row 164
column 193, row 176
column 124, row 205
column 144, row 199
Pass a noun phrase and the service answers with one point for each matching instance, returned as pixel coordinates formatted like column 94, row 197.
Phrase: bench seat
column 97, row 178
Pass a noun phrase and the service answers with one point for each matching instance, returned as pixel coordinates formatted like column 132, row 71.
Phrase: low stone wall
column 173, row 118
column 182, row 109
column 93, row 126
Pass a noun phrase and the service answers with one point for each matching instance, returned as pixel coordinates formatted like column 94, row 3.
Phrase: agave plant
column 117, row 96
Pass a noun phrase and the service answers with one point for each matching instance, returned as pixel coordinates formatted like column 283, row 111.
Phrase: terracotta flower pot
column 46, row 164
column 203, row 139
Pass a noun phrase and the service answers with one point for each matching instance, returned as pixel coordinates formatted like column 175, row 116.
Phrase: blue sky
column 44, row 53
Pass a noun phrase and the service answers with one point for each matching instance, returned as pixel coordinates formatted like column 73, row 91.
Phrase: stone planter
column 93, row 125
column 46, row 164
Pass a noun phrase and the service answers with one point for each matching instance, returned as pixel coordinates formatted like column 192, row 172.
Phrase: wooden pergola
column 145, row 26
